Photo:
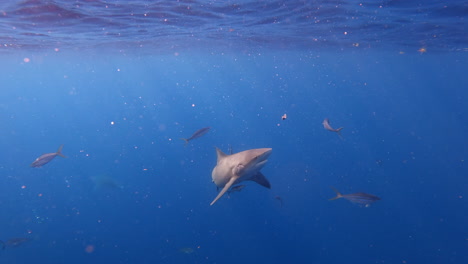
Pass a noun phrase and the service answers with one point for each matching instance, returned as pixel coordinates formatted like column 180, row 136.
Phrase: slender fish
column 236, row 188
column 186, row 250
column 359, row 198
column 46, row 158
column 197, row 134
column 326, row 125
column 277, row 197
column 14, row 242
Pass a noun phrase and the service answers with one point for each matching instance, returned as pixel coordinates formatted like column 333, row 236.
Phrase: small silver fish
column 326, row 125
column 359, row 198
column 197, row 134
column 46, row 158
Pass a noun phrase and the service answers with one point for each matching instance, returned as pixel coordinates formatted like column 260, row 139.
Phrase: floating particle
column 89, row 249
column 422, row 50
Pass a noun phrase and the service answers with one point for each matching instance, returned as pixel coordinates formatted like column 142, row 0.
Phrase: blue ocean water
column 118, row 83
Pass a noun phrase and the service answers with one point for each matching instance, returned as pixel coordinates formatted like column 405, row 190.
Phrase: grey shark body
column 242, row 166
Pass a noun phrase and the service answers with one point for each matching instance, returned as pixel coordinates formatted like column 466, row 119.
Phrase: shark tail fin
column 59, row 152
column 338, row 194
column 2, row 245
column 224, row 190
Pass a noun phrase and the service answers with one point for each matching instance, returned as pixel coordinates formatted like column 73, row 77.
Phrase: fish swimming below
column 197, row 134
column 102, row 182
column 14, row 242
column 186, row 250
column 358, row 198
column 236, row 188
column 242, row 166
column 327, row 126
column 280, row 200
column 46, row 158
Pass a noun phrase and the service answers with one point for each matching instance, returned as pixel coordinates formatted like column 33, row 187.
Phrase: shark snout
column 263, row 154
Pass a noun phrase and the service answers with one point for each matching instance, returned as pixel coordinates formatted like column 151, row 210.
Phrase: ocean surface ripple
column 81, row 24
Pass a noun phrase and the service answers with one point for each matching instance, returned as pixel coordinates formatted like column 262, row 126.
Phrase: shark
column 238, row 167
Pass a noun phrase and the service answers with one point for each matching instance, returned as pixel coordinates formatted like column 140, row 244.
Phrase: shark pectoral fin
column 262, row 180
column 224, row 190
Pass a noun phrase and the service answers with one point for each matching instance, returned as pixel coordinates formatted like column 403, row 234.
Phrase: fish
column 14, row 242
column 102, row 182
column 46, row 158
column 197, row 134
column 239, row 167
column 359, row 198
column 277, row 197
column 186, row 250
column 326, row 125
column 237, row 188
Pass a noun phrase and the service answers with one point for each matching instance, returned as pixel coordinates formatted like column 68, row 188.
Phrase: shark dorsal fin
column 262, row 180
column 220, row 154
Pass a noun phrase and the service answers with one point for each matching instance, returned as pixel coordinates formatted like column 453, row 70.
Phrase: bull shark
column 242, row 166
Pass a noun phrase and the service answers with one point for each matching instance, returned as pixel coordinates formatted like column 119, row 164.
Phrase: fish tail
column 338, row 130
column 186, row 140
column 59, row 151
column 2, row 245
column 338, row 194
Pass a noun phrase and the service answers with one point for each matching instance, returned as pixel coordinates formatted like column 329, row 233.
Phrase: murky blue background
column 120, row 105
